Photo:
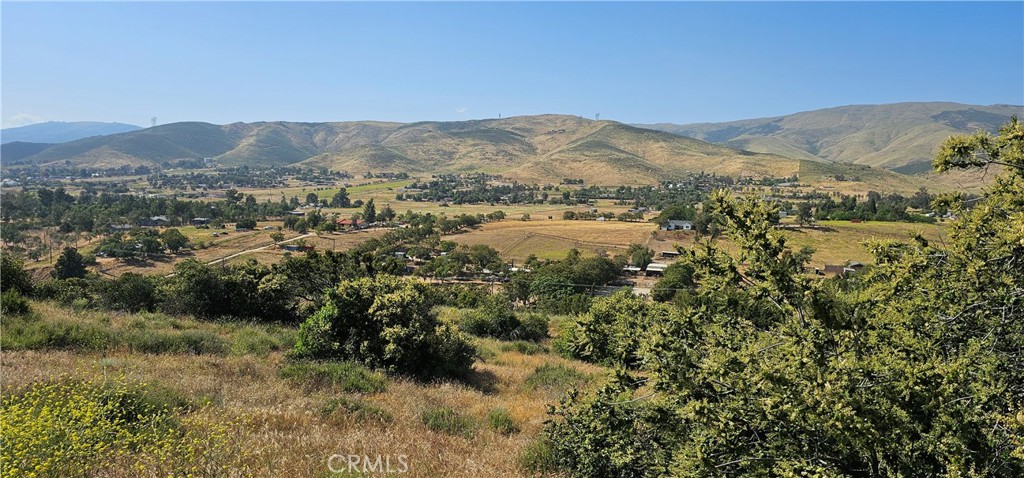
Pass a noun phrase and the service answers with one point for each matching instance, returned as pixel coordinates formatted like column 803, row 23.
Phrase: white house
column 674, row 225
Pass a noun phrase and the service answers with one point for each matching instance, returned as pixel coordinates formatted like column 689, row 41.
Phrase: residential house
column 674, row 225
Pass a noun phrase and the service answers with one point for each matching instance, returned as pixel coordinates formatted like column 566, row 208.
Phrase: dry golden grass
column 286, row 435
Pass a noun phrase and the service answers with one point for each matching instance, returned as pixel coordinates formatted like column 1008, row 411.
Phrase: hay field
column 552, row 239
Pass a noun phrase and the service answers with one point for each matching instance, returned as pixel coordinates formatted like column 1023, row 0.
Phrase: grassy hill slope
column 901, row 136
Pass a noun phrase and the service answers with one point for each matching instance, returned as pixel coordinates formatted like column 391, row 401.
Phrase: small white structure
column 656, row 268
column 674, row 225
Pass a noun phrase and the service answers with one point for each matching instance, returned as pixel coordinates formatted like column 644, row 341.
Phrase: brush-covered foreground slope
column 902, row 137
column 536, row 148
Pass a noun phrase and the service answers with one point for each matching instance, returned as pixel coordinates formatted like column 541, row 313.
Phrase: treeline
column 243, row 176
column 876, row 207
column 89, row 212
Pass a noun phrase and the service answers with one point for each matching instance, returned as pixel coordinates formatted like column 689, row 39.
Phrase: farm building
column 656, row 268
column 155, row 221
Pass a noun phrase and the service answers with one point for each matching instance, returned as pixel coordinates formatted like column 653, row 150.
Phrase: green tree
column 13, row 275
column 640, row 255
column 131, row 292
column 913, row 368
column 370, row 211
column 384, row 322
column 69, row 265
column 312, row 199
column 174, row 240
column 386, row 214
column 804, row 213
column 341, row 199
column 246, row 223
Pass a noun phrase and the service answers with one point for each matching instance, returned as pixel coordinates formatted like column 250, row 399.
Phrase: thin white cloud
column 21, row 119
column 462, row 110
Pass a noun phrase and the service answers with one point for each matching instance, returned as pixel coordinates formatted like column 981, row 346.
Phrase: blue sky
column 649, row 62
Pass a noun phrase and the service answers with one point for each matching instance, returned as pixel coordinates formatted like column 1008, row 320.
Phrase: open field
column 552, row 239
column 289, row 427
column 236, row 247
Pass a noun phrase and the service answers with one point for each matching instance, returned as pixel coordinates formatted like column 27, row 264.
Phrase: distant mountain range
column 902, row 137
column 537, row 148
column 897, row 137
column 62, row 132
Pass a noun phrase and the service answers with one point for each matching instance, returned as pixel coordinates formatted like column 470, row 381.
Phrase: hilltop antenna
column 153, row 121
column 597, row 117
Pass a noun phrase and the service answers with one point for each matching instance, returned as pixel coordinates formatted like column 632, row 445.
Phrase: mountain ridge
column 898, row 136
column 527, row 147
column 62, row 131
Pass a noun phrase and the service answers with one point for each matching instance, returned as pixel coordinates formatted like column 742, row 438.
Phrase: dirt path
column 250, row 251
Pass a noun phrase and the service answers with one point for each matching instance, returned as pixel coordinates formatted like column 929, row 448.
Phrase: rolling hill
column 902, row 137
column 535, row 148
column 61, row 131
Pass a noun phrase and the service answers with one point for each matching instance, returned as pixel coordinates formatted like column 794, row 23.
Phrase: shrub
column 346, row 376
column 14, row 276
column 500, row 421
column 532, row 327
column 130, row 292
column 448, row 421
column 66, row 291
column 495, row 318
column 612, row 331
column 12, row 303
column 384, row 322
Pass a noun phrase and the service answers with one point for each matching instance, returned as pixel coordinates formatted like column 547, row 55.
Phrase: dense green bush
column 387, row 323
column 12, row 303
column 495, row 318
column 130, row 292
column 612, row 331
column 67, row 291
column 246, row 291
column 13, row 275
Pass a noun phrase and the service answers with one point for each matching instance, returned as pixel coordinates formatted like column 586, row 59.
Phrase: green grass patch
column 500, row 421
column 524, row 347
column 344, row 376
column 357, row 409
column 556, row 377
column 448, row 421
